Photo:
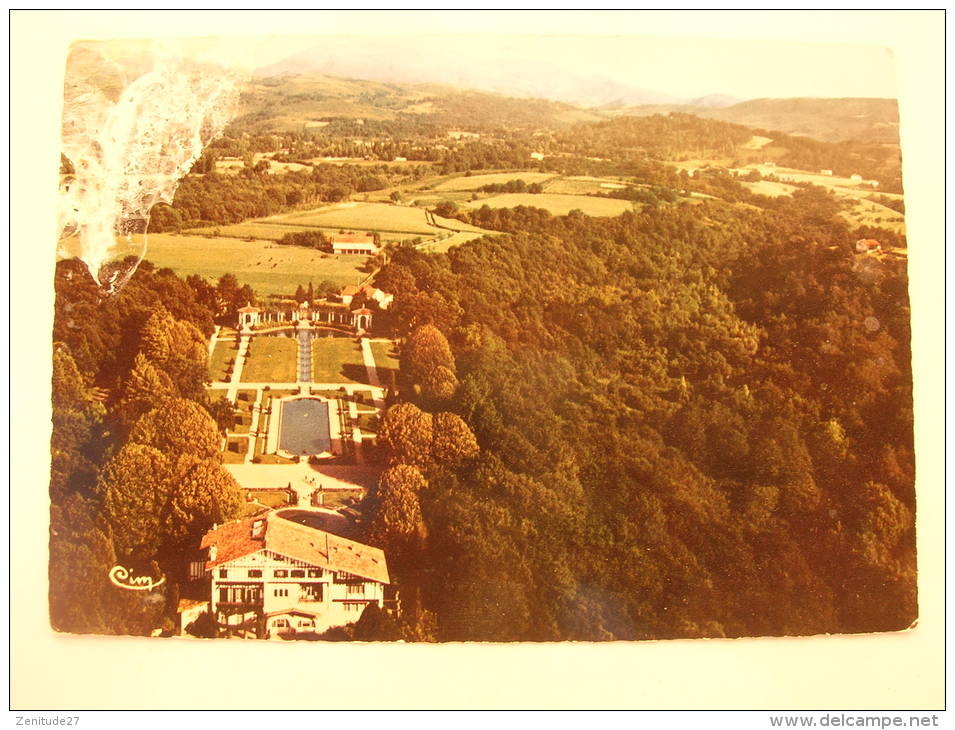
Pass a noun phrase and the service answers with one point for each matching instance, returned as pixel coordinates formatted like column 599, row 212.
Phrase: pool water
column 305, row 427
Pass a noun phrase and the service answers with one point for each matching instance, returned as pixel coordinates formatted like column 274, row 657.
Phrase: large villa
column 271, row 577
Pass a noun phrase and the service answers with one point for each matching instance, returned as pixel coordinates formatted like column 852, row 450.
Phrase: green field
column 274, row 231
column 386, row 360
column 474, row 182
column 235, row 450
column 455, row 240
column 273, row 360
column 266, row 267
column 362, row 217
column 222, row 354
column 270, row 497
column 557, row 204
column 867, row 213
column 337, row 360
column 582, row 185
column 768, row 188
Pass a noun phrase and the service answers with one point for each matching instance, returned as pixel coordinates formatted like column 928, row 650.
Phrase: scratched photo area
column 481, row 338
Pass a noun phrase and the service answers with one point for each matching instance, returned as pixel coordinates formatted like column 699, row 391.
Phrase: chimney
column 212, row 553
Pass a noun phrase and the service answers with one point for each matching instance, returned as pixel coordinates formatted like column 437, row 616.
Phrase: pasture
column 582, row 185
column 557, row 204
column 267, row 267
column 362, row 217
column 473, row 182
column 770, row 189
column 454, row 240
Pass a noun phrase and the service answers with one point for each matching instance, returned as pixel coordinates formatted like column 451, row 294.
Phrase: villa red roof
column 248, row 309
column 350, row 290
column 308, row 544
column 363, row 310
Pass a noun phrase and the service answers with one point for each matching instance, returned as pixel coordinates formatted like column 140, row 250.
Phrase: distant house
column 855, row 177
column 281, row 579
column 537, row 155
column 354, row 243
column 825, row 172
column 400, row 159
column 377, row 295
column 868, row 245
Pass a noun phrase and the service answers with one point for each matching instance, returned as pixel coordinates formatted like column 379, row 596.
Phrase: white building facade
column 276, row 578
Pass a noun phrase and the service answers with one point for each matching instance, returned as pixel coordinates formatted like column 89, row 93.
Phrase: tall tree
column 407, row 432
column 179, row 426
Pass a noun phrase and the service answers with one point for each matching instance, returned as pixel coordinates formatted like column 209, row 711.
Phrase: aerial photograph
column 480, row 338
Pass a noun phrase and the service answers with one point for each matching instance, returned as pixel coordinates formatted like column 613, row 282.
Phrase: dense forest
column 136, row 467
column 691, row 422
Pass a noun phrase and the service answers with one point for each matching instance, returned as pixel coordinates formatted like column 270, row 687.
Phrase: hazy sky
column 681, row 67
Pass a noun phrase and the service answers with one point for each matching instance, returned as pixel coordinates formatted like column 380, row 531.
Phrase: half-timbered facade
column 275, row 577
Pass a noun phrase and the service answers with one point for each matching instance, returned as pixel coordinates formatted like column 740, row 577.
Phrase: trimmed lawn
column 333, row 499
column 270, row 497
column 364, row 400
column 273, row 360
column 386, row 359
column 368, row 422
column 337, row 360
column 223, row 356
column 235, row 450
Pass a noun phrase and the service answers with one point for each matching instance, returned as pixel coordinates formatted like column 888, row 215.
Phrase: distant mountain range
column 385, row 67
column 496, row 69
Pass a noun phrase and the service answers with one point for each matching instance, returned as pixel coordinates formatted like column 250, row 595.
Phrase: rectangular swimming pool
column 305, row 427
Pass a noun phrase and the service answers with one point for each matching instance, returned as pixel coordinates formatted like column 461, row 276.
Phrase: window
column 281, row 623
column 223, row 573
column 314, row 573
column 304, row 623
column 281, row 592
column 355, row 589
column 255, row 573
column 353, row 606
column 281, row 574
column 311, row 592
column 298, row 573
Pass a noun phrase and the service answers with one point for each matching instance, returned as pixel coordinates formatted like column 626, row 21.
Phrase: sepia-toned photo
column 515, row 338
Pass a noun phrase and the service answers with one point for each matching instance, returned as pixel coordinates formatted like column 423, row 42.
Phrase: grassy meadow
column 268, row 268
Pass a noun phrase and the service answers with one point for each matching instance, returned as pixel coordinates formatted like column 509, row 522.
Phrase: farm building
column 537, row 155
column 354, row 243
column 868, row 245
column 826, row 172
column 274, row 578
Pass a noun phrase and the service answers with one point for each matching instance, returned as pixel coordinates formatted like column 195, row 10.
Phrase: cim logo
column 121, row 578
